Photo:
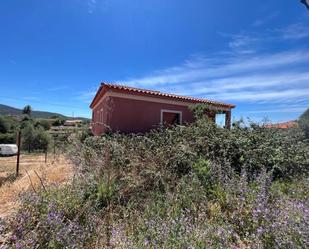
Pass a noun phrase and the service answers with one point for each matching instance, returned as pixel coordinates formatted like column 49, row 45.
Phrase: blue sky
column 255, row 54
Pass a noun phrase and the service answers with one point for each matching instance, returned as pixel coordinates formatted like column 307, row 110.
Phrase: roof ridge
column 130, row 87
column 158, row 93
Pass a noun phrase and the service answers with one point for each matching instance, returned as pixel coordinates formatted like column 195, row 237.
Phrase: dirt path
column 58, row 171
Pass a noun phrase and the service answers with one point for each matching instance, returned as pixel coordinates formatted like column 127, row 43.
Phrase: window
column 99, row 116
column 97, row 119
column 170, row 117
column 101, row 120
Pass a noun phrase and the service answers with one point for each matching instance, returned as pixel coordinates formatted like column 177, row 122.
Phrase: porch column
column 227, row 119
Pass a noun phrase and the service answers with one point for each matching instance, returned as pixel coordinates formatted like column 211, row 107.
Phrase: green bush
column 198, row 186
column 58, row 122
column 45, row 124
column 8, row 129
column 4, row 125
column 304, row 123
column 51, row 219
column 28, row 134
column 8, row 138
column 41, row 139
column 202, row 169
column 34, row 138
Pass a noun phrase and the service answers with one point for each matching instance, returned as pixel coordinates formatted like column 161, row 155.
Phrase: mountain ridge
column 9, row 110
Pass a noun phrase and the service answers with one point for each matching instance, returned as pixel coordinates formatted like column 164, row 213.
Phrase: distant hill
column 8, row 110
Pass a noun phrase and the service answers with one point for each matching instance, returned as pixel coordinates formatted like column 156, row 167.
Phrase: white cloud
column 281, row 110
column 243, row 74
column 266, row 19
column 271, row 77
column 92, row 5
column 295, row 31
column 86, row 96
column 252, row 82
column 243, row 44
column 58, row 88
column 219, row 68
column 264, row 96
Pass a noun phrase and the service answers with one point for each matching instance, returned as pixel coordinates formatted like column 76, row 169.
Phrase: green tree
column 43, row 123
column 41, row 139
column 4, row 125
column 28, row 135
column 58, row 122
column 27, row 110
column 304, row 122
column 200, row 111
column 7, row 138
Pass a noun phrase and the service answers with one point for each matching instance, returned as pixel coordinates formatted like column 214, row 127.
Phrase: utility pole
column 18, row 152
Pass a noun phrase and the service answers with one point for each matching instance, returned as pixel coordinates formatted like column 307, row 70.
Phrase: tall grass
column 198, row 186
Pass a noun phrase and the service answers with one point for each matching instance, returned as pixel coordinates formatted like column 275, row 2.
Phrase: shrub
column 34, row 138
column 198, row 186
column 54, row 219
column 28, row 134
column 224, row 176
column 203, row 171
column 58, row 122
column 304, row 122
column 8, row 138
column 4, row 125
column 41, row 139
column 45, row 124
column 254, row 217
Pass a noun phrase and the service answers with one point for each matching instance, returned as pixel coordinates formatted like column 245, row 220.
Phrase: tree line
column 34, row 131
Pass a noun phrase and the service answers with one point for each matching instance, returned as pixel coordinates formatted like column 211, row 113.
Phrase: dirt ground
column 33, row 169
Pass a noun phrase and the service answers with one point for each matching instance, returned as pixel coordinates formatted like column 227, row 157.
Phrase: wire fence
column 12, row 166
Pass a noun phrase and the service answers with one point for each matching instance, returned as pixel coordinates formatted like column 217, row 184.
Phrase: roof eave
column 109, row 85
column 96, row 96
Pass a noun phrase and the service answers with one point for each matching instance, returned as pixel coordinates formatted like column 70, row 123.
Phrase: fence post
column 108, row 166
column 46, row 155
column 54, row 147
column 18, row 153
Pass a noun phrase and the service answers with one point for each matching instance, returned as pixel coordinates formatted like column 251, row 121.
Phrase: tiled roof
column 159, row 94
column 284, row 125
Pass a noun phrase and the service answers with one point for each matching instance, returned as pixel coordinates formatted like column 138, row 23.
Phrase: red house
column 127, row 109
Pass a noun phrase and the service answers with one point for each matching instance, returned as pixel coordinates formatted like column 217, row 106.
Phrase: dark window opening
column 170, row 118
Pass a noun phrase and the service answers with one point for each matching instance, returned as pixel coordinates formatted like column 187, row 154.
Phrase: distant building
column 133, row 110
column 283, row 125
column 73, row 122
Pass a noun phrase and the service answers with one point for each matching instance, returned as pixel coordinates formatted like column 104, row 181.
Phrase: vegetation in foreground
column 184, row 187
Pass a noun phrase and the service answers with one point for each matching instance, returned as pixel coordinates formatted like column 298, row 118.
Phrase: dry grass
column 58, row 171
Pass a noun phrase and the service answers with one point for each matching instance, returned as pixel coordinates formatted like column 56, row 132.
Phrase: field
column 32, row 168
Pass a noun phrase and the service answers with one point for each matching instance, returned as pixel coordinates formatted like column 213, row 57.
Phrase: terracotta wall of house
column 140, row 116
column 99, row 127
column 128, row 115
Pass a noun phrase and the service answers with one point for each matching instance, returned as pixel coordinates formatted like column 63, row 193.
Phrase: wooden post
column 228, row 119
column 108, row 228
column 46, row 155
column 54, row 147
column 18, row 153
